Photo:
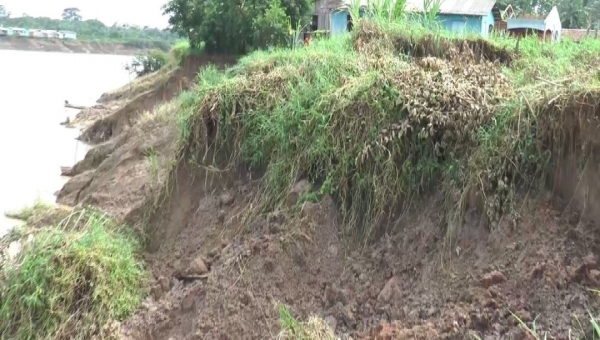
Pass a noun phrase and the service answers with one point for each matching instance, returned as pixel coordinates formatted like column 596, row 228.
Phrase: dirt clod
column 388, row 291
column 492, row 278
column 165, row 283
column 331, row 322
column 198, row 267
column 226, row 199
column 590, row 262
column 301, row 188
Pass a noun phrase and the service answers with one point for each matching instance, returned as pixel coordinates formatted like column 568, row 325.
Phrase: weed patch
column 71, row 280
column 291, row 329
column 393, row 110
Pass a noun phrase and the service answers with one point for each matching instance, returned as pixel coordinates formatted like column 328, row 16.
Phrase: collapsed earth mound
column 441, row 160
column 390, row 185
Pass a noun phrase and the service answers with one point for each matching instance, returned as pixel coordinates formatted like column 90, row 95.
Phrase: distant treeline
column 94, row 30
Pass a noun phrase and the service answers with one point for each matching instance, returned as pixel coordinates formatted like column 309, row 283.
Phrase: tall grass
column 71, row 280
column 339, row 113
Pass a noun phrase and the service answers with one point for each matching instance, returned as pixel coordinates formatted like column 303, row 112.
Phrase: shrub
column 70, row 281
column 272, row 27
column 150, row 62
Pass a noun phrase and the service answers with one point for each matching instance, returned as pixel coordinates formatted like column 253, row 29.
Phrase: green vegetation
column 94, row 30
column 395, row 109
column 149, row 62
column 226, row 27
column 291, row 329
column 535, row 333
column 155, row 60
column 77, row 274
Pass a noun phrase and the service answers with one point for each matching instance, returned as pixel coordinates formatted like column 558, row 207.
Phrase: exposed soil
column 102, row 124
column 117, row 174
column 44, row 45
column 218, row 275
column 215, row 281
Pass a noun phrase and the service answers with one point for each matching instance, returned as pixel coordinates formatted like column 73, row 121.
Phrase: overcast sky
column 135, row 12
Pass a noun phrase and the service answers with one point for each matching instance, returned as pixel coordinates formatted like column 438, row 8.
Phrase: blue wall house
column 333, row 15
column 470, row 16
column 460, row 16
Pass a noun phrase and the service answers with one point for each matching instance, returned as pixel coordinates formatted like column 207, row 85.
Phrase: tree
column 71, row 14
column 270, row 28
column 4, row 13
column 97, row 31
column 229, row 26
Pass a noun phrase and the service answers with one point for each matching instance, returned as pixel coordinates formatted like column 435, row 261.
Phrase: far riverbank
column 77, row 46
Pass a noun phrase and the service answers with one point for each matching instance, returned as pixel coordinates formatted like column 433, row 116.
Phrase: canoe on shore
column 76, row 107
column 65, row 170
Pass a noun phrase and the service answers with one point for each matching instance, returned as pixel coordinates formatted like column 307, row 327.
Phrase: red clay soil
column 218, row 276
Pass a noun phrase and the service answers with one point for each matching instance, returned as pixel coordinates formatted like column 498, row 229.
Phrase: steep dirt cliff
column 134, row 132
column 420, row 197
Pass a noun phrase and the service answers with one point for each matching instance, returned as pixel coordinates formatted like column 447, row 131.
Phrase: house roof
column 463, row 7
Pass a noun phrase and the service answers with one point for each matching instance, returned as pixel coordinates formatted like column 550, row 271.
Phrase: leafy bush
column 181, row 50
column 272, row 27
column 150, row 62
column 70, row 281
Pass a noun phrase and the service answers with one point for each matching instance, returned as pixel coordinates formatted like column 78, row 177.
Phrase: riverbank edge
column 79, row 46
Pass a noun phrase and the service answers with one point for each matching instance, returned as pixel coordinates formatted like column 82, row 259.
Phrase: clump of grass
column 153, row 164
column 291, row 329
column 182, row 49
column 534, row 332
column 70, row 280
column 30, row 213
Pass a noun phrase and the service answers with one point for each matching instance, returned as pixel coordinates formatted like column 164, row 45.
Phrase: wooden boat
column 76, row 107
column 65, row 170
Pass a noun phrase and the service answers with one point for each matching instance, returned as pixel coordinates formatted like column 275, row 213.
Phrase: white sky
column 134, row 12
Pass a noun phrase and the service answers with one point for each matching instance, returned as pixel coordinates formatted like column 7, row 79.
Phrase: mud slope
column 221, row 277
column 136, row 132
column 448, row 262
column 164, row 88
column 478, row 193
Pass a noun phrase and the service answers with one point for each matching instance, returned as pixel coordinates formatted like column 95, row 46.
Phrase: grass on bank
column 152, row 69
column 392, row 110
column 74, row 277
column 292, row 329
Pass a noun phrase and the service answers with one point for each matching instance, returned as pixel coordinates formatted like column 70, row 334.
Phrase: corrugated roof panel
column 464, row 7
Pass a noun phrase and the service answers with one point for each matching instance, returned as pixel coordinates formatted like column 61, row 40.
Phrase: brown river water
column 33, row 144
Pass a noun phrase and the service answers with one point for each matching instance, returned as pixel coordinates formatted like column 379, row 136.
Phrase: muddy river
column 33, row 144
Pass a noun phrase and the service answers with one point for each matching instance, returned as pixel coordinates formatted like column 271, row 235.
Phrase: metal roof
column 464, row 7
